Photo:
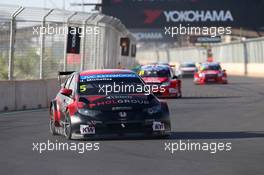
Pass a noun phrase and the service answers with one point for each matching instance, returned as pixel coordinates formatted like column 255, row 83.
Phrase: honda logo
column 122, row 114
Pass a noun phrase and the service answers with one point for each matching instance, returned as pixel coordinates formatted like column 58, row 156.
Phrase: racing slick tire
column 67, row 127
column 180, row 95
column 52, row 126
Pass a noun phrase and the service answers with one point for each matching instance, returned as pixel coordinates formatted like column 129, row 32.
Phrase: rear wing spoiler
column 63, row 73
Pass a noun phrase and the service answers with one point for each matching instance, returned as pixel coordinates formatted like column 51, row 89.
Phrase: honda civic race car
column 210, row 73
column 161, row 76
column 92, row 104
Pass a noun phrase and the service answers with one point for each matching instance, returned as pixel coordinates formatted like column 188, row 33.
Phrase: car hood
column 119, row 102
column 155, row 79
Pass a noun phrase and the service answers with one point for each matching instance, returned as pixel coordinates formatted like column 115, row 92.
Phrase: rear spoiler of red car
column 63, row 73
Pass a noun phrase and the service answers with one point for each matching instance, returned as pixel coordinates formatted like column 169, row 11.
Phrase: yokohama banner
column 247, row 14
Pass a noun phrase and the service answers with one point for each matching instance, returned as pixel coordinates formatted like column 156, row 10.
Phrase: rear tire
column 180, row 95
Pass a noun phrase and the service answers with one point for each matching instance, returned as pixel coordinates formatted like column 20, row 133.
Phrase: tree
column 3, row 68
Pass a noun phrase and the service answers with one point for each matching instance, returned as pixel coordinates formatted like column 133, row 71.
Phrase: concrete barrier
column 255, row 70
column 8, row 95
column 28, row 94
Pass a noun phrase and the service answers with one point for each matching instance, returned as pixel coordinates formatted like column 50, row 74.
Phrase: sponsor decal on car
column 106, row 76
column 119, row 97
column 173, row 90
column 87, row 129
column 158, row 126
column 120, row 101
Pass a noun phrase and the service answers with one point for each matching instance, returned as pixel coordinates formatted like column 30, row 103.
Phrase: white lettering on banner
column 149, row 35
column 198, row 16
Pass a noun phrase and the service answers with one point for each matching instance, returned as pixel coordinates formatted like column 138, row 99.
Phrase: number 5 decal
column 82, row 88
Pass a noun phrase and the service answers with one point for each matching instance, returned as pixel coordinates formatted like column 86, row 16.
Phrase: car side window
column 72, row 83
column 68, row 81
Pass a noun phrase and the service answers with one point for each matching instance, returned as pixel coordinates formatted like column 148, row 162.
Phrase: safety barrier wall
column 27, row 52
column 238, row 58
column 30, row 94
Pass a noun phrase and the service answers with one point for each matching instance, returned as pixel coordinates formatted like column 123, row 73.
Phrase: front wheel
column 180, row 94
column 52, row 126
column 67, row 127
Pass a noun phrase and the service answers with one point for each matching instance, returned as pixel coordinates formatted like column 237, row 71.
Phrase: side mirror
column 66, row 92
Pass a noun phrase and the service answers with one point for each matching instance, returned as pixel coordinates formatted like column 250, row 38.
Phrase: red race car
column 210, row 73
column 161, row 80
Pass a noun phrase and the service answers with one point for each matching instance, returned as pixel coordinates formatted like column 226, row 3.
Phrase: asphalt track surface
column 212, row 113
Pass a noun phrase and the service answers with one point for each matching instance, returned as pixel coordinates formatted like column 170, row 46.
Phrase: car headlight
column 153, row 110
column 167, row 83
column 220, row 74
column 201, row 75
column 88, row 112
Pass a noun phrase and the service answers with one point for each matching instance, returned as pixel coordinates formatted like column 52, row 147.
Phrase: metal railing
column 27, row 54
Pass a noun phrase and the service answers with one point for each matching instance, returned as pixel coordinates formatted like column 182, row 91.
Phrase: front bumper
column 104, row 129
column 204, row 80
column 187, row 74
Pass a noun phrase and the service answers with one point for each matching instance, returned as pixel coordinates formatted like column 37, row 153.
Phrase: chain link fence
column 27, row 53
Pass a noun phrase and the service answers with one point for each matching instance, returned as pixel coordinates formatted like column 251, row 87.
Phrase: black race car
column 87, row 107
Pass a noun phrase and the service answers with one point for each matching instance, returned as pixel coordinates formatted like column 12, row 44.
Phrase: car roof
column 106, row 71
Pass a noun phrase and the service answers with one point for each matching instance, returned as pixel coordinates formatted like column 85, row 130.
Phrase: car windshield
column 111, row 83
column 210, row 67
column 188, row 65
column 154, row 73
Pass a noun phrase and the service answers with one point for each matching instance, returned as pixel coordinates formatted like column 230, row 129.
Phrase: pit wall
column 28, row 94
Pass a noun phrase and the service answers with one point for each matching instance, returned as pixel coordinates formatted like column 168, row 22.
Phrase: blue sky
column 49, row 3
